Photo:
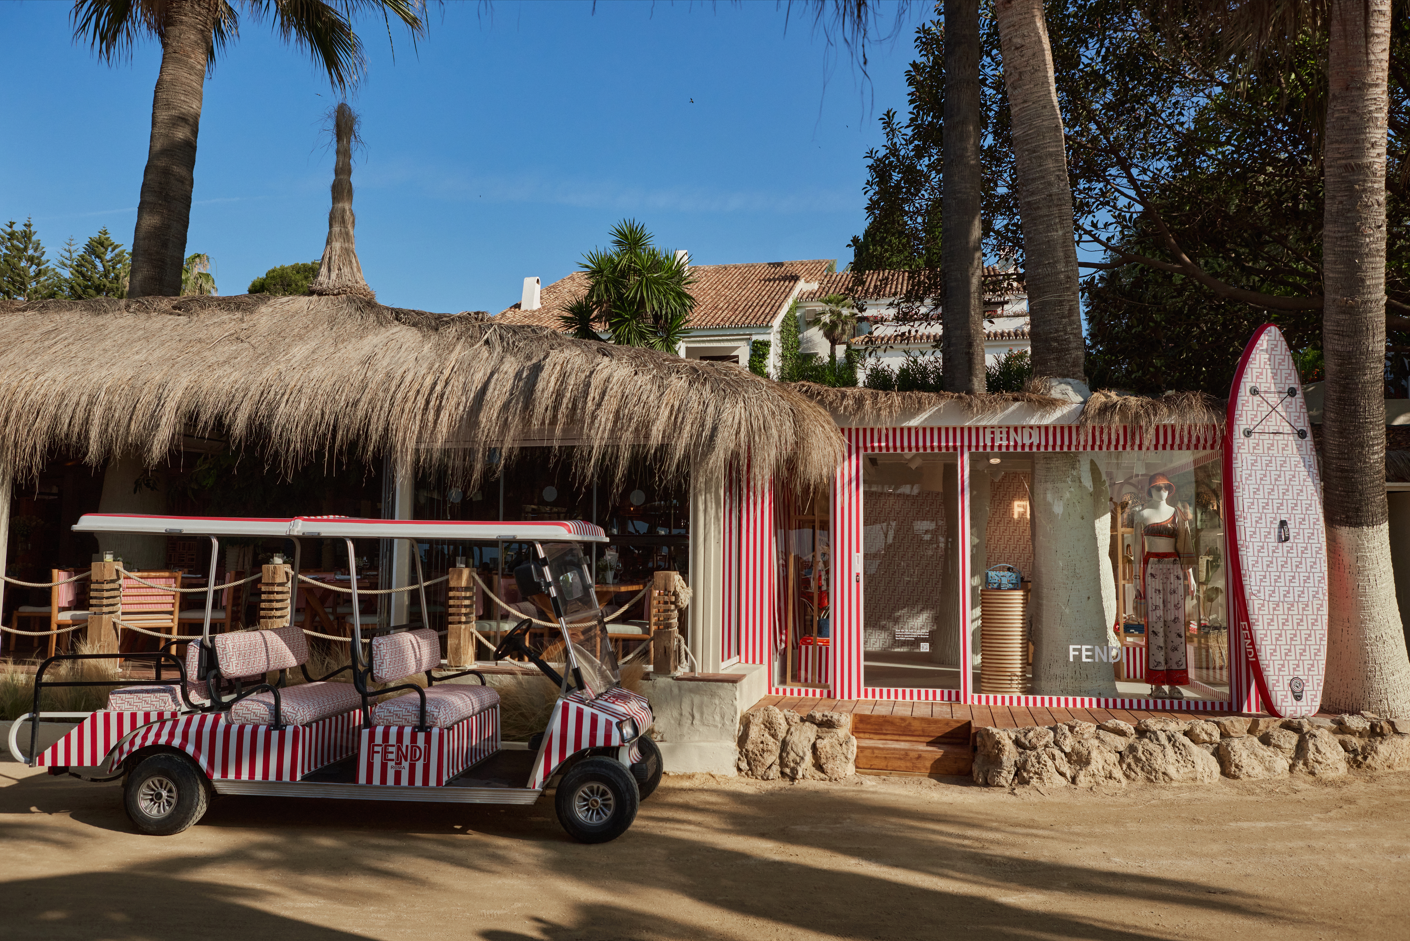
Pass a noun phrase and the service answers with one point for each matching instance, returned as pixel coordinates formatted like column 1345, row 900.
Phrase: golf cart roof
column 338, row 527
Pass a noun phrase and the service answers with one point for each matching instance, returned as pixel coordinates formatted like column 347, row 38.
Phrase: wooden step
column 891, row 757
column 911, row 729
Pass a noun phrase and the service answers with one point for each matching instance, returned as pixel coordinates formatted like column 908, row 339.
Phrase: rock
column 1031, row 739
column 1401, row 726
column 1063, row 738
column 1083, row 731
column 1160, row 737
column 1382, row 728
column 994, row 758
column 774, row 720
column 1349, row 744
column 1160, row 724
column 795, row 758
column 758, row 747
column 1296, row 725
column 1117, row 727
column 1038, row 767
column 1368, row 716
column 1281, row 740
column 791, row 718
column 1202, row 733
column 1353, row 725
column 1114, row 742
column 1092, row 764
column 1246, row 758
column 1319, row 753
column 1230, row 726
column 1179, row 762
column 835, row 752
column 829, row 720
column 1257, row 727
column 1322, row 722
column 1384, row 754
column 1207, row 747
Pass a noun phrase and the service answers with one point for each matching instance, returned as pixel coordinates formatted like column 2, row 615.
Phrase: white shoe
column 1176, row 693
column 1158, row 692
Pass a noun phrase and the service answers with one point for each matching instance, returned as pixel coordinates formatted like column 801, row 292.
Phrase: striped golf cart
column 218, row 725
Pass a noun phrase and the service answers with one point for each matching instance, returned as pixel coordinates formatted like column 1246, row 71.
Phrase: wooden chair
column 227, row 614
column 155, row 609
column 64, row 608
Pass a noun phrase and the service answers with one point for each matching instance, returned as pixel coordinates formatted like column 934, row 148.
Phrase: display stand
column 1003, row 667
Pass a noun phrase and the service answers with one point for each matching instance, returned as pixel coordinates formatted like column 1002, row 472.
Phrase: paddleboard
column 1276, row 540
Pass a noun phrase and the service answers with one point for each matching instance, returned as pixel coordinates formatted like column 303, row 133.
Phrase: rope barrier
column 76, row 578
column 62, row 630
column 244, row 581
column 520, row 615
column 373, row 591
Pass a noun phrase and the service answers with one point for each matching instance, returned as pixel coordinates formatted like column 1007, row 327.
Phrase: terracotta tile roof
column 880, row 285
column 748, row 295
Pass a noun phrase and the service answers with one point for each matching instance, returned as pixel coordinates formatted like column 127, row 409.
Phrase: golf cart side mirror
column 528, row 582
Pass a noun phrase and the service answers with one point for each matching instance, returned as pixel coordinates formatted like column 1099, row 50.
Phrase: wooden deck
column 999, row 717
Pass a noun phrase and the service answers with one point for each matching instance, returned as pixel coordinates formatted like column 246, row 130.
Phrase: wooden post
column 104, row 605
column 664, row 618
column 461, row 604
column 275, row 596
column 664, row 659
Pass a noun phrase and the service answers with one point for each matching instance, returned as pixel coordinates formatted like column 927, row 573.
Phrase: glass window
column 1107, row 574
column 806, row 557
column 911, row 602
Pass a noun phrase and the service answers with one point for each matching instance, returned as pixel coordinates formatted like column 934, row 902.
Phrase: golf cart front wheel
column 647, row 771
column 165, row 794
column 597, row 800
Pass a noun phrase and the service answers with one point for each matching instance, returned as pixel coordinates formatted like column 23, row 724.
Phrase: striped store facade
column 753, row 630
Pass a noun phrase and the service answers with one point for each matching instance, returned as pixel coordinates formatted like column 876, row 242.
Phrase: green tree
column 639, row 293
column 25, row 274
column 100, row 270
column 196, row 277
column 790, row 355
column 286, row 279
column 837, row 322
column 759, row 356
column 192, row 33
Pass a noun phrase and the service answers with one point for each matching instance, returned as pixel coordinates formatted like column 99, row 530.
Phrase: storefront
column 876, row 590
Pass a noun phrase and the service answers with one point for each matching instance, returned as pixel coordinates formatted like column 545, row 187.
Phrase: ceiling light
column 995, row 460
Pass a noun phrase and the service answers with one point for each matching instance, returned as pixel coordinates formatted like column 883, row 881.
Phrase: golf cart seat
column 256, row 653
column 165, row 697
column 402, row 655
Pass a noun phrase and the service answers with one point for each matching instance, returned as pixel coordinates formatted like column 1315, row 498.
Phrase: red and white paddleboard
column 1277, row 543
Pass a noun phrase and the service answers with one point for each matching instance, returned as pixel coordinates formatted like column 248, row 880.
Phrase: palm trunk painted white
column 1367, row 665
column 945, row 637
column 705, row 615
column 1069, row 610
column 403, row 508
column 980, row 490
column 1106, row 573
column 125, row 491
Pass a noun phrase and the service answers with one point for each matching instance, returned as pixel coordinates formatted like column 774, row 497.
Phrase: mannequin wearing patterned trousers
column 1166, row 581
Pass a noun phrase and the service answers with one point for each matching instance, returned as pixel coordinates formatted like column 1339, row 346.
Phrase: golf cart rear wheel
column 165, row 794
column 647, row 771
column 597, row 800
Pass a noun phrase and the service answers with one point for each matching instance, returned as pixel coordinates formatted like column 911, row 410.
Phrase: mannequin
column 1166, row 582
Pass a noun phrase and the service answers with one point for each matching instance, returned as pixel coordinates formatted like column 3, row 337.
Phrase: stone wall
column 1189, row 751
column 774, row 743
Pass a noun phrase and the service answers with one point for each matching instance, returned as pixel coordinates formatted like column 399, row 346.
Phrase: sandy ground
column 722, row 858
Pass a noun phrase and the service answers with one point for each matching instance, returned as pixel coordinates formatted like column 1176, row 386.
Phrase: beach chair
column 66, row 604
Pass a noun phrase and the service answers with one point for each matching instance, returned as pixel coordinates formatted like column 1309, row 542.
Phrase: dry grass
column 526, row 700
column 17, row 685
column 1107, row 408
column 298, row 377
column 883, row 407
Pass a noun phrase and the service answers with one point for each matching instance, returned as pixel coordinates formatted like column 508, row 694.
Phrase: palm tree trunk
column 1044, row 195
column 340, row 273
column 962, row 348
column 164, row 211
column 1367, row 666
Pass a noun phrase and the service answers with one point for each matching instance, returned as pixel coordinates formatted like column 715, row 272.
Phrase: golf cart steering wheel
column 514, row 640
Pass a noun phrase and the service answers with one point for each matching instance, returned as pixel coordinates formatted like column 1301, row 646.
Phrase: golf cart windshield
column 572, row 580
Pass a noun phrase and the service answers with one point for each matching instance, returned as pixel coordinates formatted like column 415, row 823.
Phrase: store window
column 1104, row 574
column 806, row 556
column 911, row 601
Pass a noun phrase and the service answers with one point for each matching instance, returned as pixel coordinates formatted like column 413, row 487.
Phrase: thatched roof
column 297, row 377
column 1102, row 409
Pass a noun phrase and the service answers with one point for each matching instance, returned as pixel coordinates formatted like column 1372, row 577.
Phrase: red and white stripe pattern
column 813, row 665
column 400, row 755
column 249, row 752
column 758, row 566
column 1097, row 702
column 88, row 745
column 1034, row 438
column 733, row 524
column 847, row 581
column 910, row 695
column 576, row 725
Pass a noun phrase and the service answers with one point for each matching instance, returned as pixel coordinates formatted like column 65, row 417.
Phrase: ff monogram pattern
column 1165, row 620
column 1278, row 538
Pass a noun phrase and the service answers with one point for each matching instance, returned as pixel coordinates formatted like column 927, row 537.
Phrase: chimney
column 683, row 257
column 530, row 299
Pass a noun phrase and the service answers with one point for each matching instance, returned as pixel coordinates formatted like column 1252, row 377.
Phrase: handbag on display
column 996, row 577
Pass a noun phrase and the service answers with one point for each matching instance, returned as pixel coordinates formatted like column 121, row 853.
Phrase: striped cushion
column 405, row 653
column 445, row 706
column 299, row 705
column 254, row 653
column 153, row 698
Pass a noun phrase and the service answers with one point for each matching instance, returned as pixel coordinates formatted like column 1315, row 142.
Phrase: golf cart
column 223, row 725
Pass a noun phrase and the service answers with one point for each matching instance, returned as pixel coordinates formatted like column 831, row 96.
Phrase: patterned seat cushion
column 445, row 706
column 154, row 698
column 255, row 653
column 404, row 653
column 299, row 705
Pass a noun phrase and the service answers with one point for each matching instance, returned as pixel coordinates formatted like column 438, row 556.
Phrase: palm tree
column 962, row 343
column 196, row 277
column 640, row 293
column 837, row 322
column 192, row 33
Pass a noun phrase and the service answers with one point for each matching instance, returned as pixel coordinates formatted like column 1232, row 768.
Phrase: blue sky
column 506, row 146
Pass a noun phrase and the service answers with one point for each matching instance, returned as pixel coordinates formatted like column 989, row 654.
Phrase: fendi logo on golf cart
column 398, row 756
